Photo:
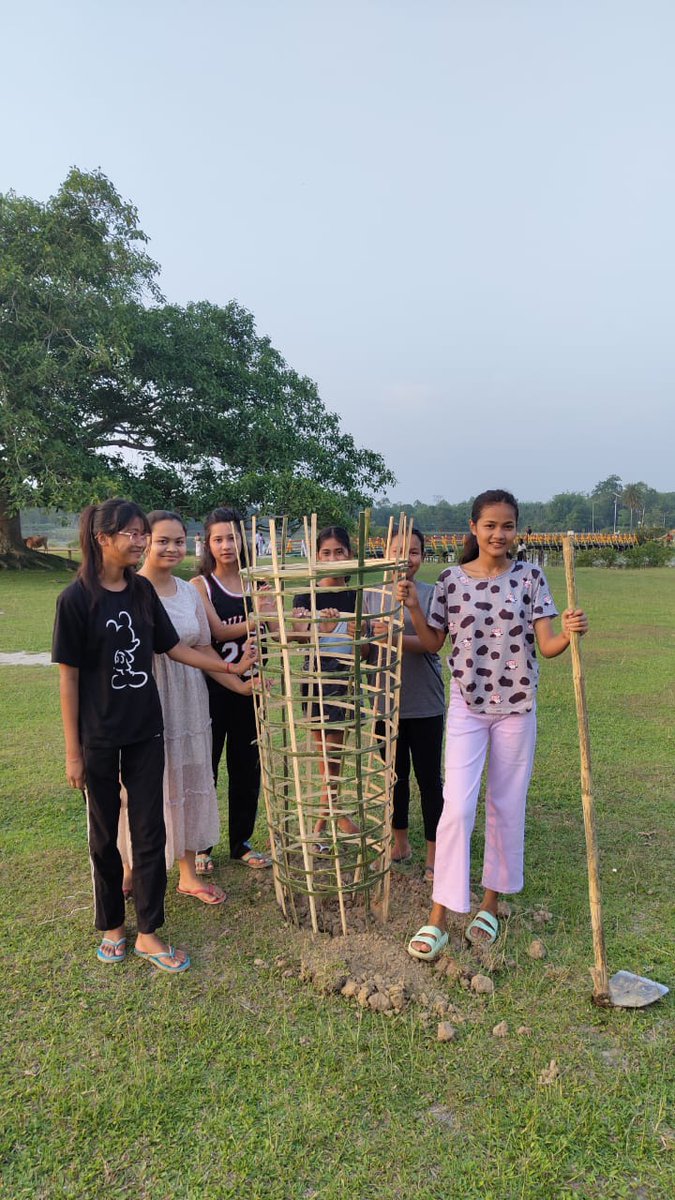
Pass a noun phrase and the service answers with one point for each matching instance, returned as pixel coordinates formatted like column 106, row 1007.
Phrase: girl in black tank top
column 232, row 715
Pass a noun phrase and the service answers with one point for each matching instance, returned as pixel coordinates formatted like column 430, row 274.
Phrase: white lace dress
column 190, row 802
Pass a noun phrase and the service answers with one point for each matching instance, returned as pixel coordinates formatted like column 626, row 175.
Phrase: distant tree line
column 610, row 505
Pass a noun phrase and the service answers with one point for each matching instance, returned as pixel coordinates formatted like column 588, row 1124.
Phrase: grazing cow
column 37, row 543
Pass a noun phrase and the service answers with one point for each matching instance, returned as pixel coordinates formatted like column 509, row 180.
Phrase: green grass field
column 235, row 1081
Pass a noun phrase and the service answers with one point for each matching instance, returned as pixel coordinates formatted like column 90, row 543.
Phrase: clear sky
column 457, row 216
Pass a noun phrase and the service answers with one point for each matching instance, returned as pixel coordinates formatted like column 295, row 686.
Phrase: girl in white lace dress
column 190, row 802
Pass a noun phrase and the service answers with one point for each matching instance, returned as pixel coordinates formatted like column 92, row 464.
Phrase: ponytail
column 110, row 518
column 469, row 548
column 92, row 559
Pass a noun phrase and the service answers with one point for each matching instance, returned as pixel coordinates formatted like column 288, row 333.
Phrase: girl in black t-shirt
column 331, row 705
column 109, row 622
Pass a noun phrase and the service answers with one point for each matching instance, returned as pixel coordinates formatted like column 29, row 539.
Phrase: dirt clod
column 365, row 992
column 350, row 988
column 483, row 985
column 542, row 916
column 549, row 1074
column 398, row 994
column 501, row 1030
column 449, row 967
column 504, row 910
column 379, row 1002
column 536, row 948
column 524, row 1030
column 439, row 1006
column 446, row 1032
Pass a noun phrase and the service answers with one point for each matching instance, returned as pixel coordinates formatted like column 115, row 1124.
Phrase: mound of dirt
column 372, row 969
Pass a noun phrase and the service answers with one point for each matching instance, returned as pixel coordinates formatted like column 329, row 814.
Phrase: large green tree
column 104, row 387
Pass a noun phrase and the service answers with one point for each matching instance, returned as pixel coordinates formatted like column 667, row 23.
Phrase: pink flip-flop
column 199, row 894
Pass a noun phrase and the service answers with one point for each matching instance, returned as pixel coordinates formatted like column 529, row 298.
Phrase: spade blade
column 634, row 991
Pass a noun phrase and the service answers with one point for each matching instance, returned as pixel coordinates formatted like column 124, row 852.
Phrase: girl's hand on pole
column 266, row 603
column 75, row 771
column 301, row 615
column 330, row 617
column 380, row 630
column 574, row 620
column 407, row 592
column 248, row 658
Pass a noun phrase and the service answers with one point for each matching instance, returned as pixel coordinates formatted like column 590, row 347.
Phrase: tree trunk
column 10, row 530
column 14, row 554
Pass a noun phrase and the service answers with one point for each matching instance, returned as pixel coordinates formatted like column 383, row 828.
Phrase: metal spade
column 623, row 990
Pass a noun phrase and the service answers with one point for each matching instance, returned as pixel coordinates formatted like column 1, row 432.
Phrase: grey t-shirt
column 422, row 689
column 491, row 624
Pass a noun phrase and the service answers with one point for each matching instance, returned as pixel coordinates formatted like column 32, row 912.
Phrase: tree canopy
column 104, row 387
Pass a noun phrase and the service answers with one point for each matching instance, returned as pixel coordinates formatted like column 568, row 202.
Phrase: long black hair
column 227, row 516
column 496, row 496
column 110, row 517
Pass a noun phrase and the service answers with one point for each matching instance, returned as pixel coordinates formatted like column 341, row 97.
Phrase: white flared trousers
column 511, row 739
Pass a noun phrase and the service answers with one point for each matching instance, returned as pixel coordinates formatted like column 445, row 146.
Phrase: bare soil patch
column 371, row 967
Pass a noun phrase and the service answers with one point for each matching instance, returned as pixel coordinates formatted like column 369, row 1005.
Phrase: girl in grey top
column 420, row 730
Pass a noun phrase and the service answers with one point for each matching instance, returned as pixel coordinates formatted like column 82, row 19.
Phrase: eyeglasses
column 141, row 538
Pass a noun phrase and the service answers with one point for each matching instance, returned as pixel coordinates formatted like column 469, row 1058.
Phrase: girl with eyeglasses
column 109, row 623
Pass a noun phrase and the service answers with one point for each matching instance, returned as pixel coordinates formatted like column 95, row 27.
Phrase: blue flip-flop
column 114, row 957
column 488, row 924
column 433, row 937
column 155, row 959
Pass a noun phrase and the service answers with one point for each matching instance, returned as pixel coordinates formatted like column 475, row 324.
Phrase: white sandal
column 433, row 937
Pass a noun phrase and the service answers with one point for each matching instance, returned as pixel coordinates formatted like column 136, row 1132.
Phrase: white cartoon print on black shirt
column 123, row 659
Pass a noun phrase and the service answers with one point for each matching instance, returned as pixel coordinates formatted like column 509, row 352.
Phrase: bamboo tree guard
column 297, row 783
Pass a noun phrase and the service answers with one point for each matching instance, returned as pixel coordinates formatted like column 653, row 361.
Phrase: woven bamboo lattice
column 327, row 752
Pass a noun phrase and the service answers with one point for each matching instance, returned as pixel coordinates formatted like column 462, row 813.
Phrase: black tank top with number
column 230, row 609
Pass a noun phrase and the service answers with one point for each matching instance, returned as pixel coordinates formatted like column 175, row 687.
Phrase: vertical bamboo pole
column 316, row 679
column 392, row 719
column 599, row 973
column 258, row 701
column 390, row 534
column 364, row 525
column 285, row 658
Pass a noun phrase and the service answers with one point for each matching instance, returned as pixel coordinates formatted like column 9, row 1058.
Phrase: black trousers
column 141, row 769
column 233, row 729
column 420, row 739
